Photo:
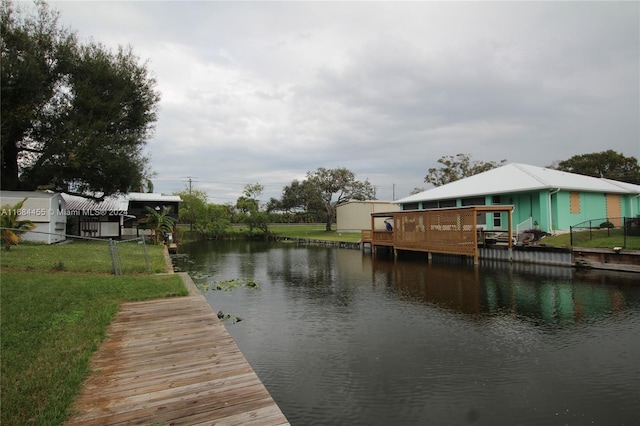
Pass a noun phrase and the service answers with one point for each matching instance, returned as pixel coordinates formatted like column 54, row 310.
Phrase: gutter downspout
column 631, row 206
column 553, row 191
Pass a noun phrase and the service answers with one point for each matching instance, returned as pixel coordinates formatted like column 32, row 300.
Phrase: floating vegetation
column 238, row 282
column 181, row 256
column 228, row 285
column 198, row 275
column 225, row 317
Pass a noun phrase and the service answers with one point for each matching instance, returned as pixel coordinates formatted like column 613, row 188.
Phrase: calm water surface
column 341, row 338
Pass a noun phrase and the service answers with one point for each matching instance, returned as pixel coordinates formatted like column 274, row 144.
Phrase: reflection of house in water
column 555, row 295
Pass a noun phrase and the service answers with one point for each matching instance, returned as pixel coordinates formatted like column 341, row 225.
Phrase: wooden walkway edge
column 172, row 362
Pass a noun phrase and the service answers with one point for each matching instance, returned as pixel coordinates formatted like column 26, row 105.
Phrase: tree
column 606, row 164
column 249, row 206
column 302, row 198
column 216, row 222
column 193, row 206
column 158, row 222
column 208, row 220
column 324, row 189
column 12, row 228
column 458, row 167
column 75, row 118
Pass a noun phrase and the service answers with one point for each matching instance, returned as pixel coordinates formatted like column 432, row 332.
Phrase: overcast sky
column 262, row 92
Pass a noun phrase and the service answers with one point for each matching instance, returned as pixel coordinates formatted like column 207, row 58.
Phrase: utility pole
column 190, row 180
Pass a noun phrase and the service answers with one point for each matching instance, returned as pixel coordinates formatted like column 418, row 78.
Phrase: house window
column 447, row 203
column 495, row 200
column 410, row 206
column 430, row 205
column 574, row 203
column 477, row 201
column 497, row 220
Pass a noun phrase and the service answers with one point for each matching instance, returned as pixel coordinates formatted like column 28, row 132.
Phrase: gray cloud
column 266, row 91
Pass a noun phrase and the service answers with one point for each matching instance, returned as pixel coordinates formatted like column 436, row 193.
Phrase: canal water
column 343, row 338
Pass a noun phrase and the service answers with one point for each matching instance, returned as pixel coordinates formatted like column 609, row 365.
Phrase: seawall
column 607, row 259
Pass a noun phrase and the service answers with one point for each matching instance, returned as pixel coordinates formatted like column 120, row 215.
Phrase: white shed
column 354, row 216
column 46, row 210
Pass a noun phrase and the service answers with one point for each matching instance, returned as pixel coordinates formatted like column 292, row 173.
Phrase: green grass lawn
column 314, row 232
column 52, row 321
column 597, row 239
column 83, row 256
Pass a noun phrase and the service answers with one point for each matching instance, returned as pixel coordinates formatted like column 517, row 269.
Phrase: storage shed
column 354, row 215
column 47, row 211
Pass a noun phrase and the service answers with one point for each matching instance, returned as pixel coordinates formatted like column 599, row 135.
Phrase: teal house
column 547, row 199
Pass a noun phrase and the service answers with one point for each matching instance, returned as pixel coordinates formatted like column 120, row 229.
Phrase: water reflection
column 541, row 292
column 342, row 338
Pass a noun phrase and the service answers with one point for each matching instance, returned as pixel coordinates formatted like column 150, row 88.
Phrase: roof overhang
column 480, row 209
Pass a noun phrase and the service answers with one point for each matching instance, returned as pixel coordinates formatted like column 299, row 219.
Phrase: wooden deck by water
column 172, row 362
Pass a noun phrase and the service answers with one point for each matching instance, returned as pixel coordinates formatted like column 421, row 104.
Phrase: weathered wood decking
column 447, row 230
column 171, row 362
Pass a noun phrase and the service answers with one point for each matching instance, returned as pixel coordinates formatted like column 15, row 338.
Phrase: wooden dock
column 172, row 362
column 446, row 230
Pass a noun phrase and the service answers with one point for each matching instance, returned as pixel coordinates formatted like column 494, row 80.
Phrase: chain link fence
column 614, row 228
column 76, row 253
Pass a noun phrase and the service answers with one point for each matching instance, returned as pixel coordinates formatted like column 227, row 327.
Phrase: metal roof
column 26, row 194
column 150, row 196
column 516, row 177
column 113, row 204
column 488, row 209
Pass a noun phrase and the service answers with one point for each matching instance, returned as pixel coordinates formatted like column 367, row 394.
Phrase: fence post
column 624, row 232
column 115, row 258
column 571, row 236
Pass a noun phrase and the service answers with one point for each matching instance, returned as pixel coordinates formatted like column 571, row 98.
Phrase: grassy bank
column 83, row 256
column 53, row 319
column 597, row 239
column 241, row 232
column 314, row 232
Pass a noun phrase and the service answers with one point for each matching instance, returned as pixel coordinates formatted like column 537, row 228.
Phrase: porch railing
column 524, row 226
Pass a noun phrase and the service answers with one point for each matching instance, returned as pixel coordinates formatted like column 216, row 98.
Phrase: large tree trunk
column 329, row 212
column 9, row 179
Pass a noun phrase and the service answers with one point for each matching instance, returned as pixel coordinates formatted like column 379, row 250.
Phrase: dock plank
column 171, row 361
